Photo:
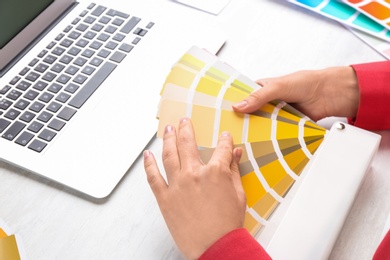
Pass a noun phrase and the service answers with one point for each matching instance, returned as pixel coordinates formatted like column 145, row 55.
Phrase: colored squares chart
column 277, row 140
column 378, row 10
column 371, row 17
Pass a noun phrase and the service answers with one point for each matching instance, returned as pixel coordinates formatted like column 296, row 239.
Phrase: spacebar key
column 92, row 85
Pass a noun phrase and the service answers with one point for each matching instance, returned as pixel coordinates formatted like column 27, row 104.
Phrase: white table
column 265, row 38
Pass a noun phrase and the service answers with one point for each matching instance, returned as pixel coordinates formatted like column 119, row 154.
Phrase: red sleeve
column 383, row 251
column 374, row 86
column 237, row 244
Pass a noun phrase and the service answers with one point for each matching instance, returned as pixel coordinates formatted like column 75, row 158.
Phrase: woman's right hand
column 318, row 94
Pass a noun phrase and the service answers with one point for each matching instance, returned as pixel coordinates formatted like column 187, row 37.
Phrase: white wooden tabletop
column 265, row 38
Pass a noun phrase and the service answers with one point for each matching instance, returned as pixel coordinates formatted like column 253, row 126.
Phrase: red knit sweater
column 374, row 85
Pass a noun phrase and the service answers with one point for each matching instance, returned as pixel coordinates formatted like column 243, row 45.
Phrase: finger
column 237, row 153
column 223, row 151
column 186, row 145
column 270, row 91
column 170, row 154
column 154, row 177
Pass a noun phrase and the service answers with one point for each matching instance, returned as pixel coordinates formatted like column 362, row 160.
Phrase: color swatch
column 378, row 10
column 277, row 140
column 9, row 244
column 347, row 15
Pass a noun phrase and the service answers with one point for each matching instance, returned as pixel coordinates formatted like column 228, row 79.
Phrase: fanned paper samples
column 277, row 140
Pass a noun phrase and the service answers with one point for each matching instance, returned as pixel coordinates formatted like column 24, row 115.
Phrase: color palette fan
column 357, row 14
column 277, row 140
column 10, row 245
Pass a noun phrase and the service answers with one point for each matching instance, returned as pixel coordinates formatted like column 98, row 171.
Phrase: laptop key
column 98, row 10
column 104, row 53
column 129, row 26
column 66, row 59
column 45, row 116
column 35, row 127
column 105, row 20
column 45, row 97
column 49, row 76
column 126, row 47
column 40, row 85
column 56, row 124
column 24, row 71
column 22, row 104
column 5, row 104
column 27, row 116
column 23, row 85
column 5, row 89
column 112, row 12
column 66, row 113
column 14, row 94
column 54, row 107
column 4, row 124
column 13, row 130
column 92, row 85
column 118, row 56
column 36, row 106
column 24, row 138
column 37, row 145
column 47, row 135
column 41, row 67
column 12, row 114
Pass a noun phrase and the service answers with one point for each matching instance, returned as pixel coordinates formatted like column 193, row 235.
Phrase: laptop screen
column 16, row 14
column 21, row 22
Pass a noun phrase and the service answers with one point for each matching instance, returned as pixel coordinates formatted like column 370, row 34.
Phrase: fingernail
column 183, row 120
column 238, row 153
column 225, row 133
column 168, row 129
column 146, row 154
column 241, row 104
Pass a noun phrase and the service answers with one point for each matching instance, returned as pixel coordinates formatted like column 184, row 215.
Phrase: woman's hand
column 200, row 203
column 317, row 93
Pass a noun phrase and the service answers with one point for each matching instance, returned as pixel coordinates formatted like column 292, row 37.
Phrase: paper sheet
column 210, row 6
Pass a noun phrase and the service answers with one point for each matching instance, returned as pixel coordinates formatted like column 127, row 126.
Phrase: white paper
column 210, row 6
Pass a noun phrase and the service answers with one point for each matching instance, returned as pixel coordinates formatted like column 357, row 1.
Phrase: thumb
column 268, row 92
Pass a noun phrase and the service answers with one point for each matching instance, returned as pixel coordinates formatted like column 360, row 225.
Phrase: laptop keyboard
column 38, row 102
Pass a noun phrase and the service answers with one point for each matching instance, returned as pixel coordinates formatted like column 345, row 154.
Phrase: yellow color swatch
column 180, row 76
column 232, row 122
column 234, row 95
column 192, row 62
column 251, row 224
column 209, row 86
column 9, row 248
column 259, row 129
column 294, row 160
column 2, row 233
column 273, row 173
column 286, row 131
column 170, row 114
column 265, row 206
column 253, row 188
column 203, row 123
column 284, row 185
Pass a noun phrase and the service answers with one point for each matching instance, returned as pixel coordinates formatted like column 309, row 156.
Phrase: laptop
column 80, row 83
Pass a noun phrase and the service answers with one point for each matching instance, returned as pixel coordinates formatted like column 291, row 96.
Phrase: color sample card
column 346, row 15
column 277, row 140
column 381, row 46
column 378, row 10
column 10, row 248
